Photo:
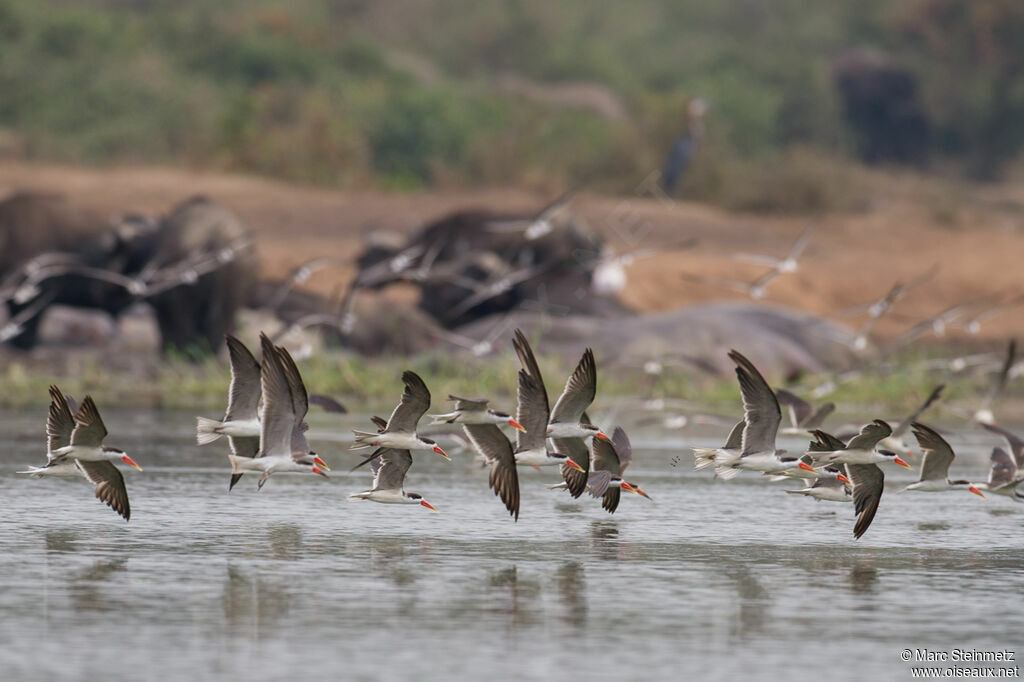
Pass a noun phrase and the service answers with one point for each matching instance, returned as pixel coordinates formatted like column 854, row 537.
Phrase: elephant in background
column 203, row 312
column 195, row 266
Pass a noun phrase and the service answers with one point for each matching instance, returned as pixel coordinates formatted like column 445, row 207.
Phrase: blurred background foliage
column 428, row 93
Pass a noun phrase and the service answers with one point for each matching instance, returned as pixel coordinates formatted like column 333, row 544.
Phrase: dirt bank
column 974, row 235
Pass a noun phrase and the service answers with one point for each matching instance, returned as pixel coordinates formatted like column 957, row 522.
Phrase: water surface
column 711, row 581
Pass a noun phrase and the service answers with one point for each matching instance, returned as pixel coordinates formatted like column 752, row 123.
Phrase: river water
column 711, row 580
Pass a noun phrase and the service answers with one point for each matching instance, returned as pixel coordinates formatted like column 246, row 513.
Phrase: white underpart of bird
column 725, row 455
column 862, row 448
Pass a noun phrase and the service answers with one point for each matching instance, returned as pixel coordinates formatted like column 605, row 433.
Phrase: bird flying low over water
column 474, row 411
column 728, row 453
column 862, row 448
column 497, row 450
column 761, row 417
column 241, row 419
column 389, row 467
column 868, row 483
column 1003, row 476
column 282, row 443
column 865, row 477
column 938, row 457
column 566, row 419
column 610, row 460
column 75, row 446
column 833, row 487
column 400, row 433
column 533, row 412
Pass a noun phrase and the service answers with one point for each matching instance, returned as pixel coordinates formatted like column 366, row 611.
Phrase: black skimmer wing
column 870, row 435
column 278, row 405
column 579, row 392
column 610, row 499
column 820, row 415
column 327, row 403
column 389, row 469
column 300, row 446
column 938, row 455
column 532, row 410
column 1003, row 470
column 109, row 485
column 735, row 439
column 623, row 448
column 300, row 404
column 762, row 415
column 799, row 409
column 868, row 482
column 504, row 478
column 414, row 404
column 244, row 394
column 89, row 430
column 532, row 413
column 469, row 404
column 296, row 386
column 825, row 442
column 60, row 422
column 606, row 466
column 1013, row 443
column 902, row 427
column 526, row 357
column 576, row 450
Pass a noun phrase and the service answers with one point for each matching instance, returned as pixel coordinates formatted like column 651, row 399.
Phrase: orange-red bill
column 130, row 462
column 428, row 505
column 516, row 425
column 901, row 462
column 438, row 450
column 573, row 465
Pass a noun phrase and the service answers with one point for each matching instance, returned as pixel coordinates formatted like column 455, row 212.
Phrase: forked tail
column 363, row 439
column 206, row 430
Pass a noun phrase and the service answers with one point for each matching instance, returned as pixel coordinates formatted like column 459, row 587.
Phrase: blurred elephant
column 195, row 267
column 472, row 264
column 204, row 311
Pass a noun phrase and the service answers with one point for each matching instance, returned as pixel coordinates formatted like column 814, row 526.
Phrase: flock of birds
column 265, row 427
column 266, row 432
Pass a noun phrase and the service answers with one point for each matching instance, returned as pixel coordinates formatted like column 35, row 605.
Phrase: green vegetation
column 404, row 95
column 373, row 383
